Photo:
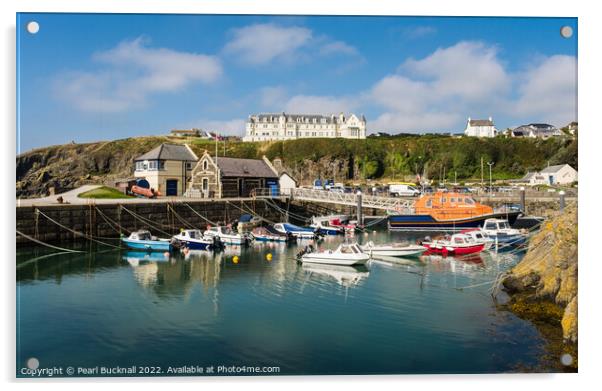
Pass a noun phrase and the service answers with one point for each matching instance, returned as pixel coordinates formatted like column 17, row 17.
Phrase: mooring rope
column 180, row 218
column 251, row 213
column 89, row 237
column 201, row 216
column 64, row 250
column 112, row 222
column 147, row 221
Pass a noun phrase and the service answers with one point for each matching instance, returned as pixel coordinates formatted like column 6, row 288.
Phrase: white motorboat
column 225, row 235
column 480, row 236
column 345, row 254
column 193, row 239
column 504, row 236
column 393, row 250
column 296, row 231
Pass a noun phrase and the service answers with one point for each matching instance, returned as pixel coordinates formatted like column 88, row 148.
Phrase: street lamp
column 490, row 164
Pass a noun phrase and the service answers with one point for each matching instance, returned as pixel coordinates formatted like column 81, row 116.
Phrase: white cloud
column 261, row 44
column 272, row 97
column 415, row 32
column 338, row 47
column 130, row 73
column 548, row 91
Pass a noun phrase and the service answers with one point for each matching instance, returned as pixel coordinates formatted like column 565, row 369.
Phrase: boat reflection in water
column 346, row 276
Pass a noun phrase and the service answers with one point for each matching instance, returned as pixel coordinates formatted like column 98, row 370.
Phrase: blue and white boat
column 264, row 234
column 296, row 231
column 193, row 240
column 323, row 226
column 503, row 235
column 143, row 240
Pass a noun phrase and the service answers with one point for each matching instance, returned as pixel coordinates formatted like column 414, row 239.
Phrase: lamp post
column 490, row 164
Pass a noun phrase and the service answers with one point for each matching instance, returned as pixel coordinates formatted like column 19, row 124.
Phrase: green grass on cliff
column 104, row 192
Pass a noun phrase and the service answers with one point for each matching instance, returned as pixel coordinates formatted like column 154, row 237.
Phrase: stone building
column 226, row 177
column 283, row 126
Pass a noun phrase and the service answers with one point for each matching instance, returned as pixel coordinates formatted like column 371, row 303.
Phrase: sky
column 92, row 77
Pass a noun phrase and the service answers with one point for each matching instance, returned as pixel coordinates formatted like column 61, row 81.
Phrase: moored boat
column 345, row 254
column 479, row 236
column 500, row 231
column 446, row 211
column 296, row 231
column 143, row 240
column 457, row 244
column 393, row 250
column 226, row 235
column 324, row 226
column 263, row 234
column 193, row 239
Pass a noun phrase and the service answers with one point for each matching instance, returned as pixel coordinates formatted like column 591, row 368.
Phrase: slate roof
column 480, row 122
column 235, row 167
column 553, row 169
column 169, row 152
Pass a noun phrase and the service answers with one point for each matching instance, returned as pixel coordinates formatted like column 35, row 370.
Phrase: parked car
column 403, row 190
column 462, row 189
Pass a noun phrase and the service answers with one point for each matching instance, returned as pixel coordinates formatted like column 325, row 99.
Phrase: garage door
column 172, row 187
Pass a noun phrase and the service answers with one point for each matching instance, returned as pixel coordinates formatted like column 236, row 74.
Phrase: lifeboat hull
column 429, row 223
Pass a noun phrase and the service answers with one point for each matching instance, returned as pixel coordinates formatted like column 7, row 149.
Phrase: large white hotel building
column 282, row 126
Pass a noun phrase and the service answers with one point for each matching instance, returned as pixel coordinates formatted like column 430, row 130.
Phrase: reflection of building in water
column 204, row 269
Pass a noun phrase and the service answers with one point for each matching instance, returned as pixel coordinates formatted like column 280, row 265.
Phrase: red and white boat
column 457, row 244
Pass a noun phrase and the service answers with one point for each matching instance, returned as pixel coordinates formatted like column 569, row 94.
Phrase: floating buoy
column 268, row 257
column 166, row 254
column 374, row 232
column 235, row 259
column 366, row 234
column 186, row 251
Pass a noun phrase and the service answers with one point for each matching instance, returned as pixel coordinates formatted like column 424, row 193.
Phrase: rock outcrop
column 548, row 273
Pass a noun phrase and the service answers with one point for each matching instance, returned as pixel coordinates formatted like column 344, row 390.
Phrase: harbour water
column 120, row 308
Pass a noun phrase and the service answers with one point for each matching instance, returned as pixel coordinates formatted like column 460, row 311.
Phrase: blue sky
column 89, row 77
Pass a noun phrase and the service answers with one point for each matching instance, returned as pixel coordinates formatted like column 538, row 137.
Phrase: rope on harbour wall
column 201, row 216
column 64, row 250
column 181, row 219
column 147, row 221
column 112, row 223
column 251, row 213
column 89, row 237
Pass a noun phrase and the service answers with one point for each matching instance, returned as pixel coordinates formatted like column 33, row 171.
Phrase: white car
column 403, row 190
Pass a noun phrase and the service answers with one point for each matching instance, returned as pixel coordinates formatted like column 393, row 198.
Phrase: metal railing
column 368, row 201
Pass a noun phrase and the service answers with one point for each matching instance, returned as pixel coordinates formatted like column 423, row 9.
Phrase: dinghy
column 263, row 234
column 345, row 255
column 393, row 250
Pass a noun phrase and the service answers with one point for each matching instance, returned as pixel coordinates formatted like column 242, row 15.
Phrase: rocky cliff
column 544, row 284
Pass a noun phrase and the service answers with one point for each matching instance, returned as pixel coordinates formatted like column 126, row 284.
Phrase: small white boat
column 193, row 239
column 225, row 235
column 345, row 254
column 479, row 236
column 296, row 231
column 393, row 250
column 504, row 236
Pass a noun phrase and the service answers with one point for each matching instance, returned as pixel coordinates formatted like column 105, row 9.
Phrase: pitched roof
column 480, row 122
column 169, row 152
column 255, row 168
column 553, row 169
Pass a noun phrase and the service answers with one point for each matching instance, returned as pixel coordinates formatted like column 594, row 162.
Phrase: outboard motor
column 177, row 244
column 217, row 245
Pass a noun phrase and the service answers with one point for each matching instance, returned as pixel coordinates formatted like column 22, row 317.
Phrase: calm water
column 122, row 309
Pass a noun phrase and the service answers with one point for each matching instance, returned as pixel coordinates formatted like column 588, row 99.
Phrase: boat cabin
column 350, row 249
column 141, row 235
column 444, row 205
column 191, row 234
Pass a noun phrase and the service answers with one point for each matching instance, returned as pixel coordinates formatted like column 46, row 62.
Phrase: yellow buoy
column 166, row 254
column 235, row 259
column 268, row 257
